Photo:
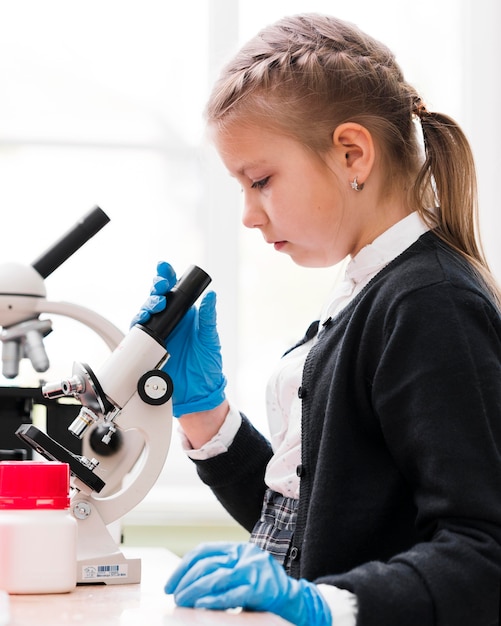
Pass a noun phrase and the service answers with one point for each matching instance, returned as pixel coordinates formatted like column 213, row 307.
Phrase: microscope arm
column 154, row 424
column 108, row 332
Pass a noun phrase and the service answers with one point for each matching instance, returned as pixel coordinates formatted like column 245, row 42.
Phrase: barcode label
column 97, row 572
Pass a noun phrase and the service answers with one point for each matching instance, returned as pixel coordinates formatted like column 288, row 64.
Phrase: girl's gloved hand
column 194, row 363
column 229, row 575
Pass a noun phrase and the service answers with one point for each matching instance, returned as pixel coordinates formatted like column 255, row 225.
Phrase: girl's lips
column 278, row 245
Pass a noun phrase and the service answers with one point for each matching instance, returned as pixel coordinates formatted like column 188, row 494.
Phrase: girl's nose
column 253, row 215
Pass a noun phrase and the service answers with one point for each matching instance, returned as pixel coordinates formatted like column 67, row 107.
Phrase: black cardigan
column 400, row 496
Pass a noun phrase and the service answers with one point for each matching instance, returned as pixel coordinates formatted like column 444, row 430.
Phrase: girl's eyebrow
column 249, row 166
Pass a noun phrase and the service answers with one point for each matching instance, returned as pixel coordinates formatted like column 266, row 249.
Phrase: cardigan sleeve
column 237, row 476
column 437, row 396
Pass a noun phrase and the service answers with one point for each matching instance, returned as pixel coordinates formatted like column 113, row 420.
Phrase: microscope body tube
column 143, row 348
column 137, row 353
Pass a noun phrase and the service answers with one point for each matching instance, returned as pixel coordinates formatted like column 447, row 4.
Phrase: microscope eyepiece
column 82, row 231
column 181, row 297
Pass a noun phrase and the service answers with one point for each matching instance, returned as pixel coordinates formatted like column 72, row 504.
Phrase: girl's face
column 299, row 200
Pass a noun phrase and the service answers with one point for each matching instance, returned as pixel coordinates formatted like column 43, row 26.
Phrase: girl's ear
column 354, row 146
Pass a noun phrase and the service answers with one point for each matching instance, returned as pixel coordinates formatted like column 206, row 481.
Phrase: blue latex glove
column 229, row 575
column 194, row 363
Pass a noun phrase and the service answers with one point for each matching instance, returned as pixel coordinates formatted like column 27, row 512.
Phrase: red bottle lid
column 34, row 485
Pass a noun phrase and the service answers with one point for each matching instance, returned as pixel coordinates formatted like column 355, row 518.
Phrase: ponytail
column 449, row 171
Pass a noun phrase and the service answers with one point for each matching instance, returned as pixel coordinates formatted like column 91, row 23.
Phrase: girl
column 378, row 501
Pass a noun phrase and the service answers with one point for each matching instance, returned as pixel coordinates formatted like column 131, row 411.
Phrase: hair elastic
column 420, row 109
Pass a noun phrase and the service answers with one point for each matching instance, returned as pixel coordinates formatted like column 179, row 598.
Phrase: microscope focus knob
column 155, row 387
column 102, row 446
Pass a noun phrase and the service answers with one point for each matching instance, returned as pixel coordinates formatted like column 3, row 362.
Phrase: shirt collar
column 390, row 244
column 372, row 259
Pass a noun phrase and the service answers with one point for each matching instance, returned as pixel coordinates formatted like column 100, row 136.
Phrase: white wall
column 481, row 45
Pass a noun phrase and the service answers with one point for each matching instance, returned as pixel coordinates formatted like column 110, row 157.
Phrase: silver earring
column 356, row 185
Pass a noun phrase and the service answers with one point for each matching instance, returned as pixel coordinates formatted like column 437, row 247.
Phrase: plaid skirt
column 275, row 528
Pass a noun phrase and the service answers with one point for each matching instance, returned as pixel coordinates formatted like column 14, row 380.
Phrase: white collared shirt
column 283, row 403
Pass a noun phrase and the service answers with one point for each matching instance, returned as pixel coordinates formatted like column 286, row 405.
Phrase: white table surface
column 144, row 604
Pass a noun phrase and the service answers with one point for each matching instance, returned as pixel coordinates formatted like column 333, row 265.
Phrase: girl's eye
column 260, row 184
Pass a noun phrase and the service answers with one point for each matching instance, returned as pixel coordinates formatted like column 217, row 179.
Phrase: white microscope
column 125, row 402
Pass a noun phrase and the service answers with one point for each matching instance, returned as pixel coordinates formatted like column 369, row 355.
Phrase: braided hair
column 307, row 74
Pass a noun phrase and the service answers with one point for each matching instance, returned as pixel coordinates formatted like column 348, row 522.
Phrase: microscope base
column 99, row 559
column 114, row 569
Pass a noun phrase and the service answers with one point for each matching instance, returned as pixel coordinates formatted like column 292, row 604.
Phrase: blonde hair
column 306, row 74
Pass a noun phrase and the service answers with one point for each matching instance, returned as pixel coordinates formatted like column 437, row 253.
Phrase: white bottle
column 38, row 534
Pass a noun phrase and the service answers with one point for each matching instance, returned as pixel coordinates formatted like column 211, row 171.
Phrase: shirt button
column 300, row 470
column 294, row 553
column 301, row 392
